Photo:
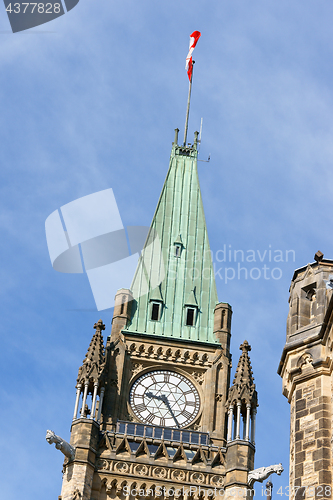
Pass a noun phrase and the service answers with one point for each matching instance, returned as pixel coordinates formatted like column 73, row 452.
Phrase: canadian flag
column 189, row 63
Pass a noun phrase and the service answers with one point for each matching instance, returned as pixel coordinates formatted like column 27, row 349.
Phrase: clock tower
column 163, row 419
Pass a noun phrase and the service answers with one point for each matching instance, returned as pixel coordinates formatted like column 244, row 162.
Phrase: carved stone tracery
column 217, row 481
column 122, row 467
column 160, row 472
column 141, row 469
column 198, row 477
column 178, row 475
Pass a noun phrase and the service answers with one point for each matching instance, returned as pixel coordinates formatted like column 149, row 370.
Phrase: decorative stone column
column 230, row 418
column 100, row 404
column 76, row 407
column 253, row 427
column 247, row 431
column 238, row 420
column 84, row 400
column 93, row 406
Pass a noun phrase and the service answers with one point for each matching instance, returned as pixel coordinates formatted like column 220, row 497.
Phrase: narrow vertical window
column 177, row 250
column 155, row 311
column 190, row 316
column 222, row 318
column 122, row 304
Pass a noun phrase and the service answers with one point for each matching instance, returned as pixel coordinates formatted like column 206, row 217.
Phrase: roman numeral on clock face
column 150, row 418
column 166, row 377
column 140, row 407
column 186, row 414
column 190, row 403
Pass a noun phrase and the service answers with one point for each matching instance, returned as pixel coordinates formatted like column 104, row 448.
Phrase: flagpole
column 188, row 105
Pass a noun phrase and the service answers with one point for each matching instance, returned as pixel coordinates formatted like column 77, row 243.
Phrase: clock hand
column 166, row 402
column 151, row 395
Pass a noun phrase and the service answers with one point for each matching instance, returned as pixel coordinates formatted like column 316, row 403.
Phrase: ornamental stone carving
column 159, row 472
column 179, row 355
column 159, row 351
column 217, row 481
column 122, row 467
column 198, row 477
column 103, row 464
column 108, row 487
column 120, row 487
column 263, row 473
column 67, row 449
column 178, row 475
column 136, row 368
column 141, row 469
column 198, row 377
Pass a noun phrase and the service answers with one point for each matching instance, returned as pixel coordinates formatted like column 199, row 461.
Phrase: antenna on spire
column 194, row 37
column 200, row 132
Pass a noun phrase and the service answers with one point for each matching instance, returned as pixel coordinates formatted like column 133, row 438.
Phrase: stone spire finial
column 93, row 364
column 245, row 346
column 318, row 257
column 99, row 325
column 243, row 388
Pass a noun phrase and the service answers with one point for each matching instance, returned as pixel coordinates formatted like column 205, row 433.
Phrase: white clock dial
column 164, row 398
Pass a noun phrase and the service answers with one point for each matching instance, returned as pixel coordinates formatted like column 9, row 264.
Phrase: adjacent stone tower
column 306, row 369
column 158, row 417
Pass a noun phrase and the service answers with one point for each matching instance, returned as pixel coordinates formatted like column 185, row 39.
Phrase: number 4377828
column 30, row 8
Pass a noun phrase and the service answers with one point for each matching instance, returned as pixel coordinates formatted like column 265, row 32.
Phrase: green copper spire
column 174, row 283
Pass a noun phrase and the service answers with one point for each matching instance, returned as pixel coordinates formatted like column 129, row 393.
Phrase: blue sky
column 90, row 101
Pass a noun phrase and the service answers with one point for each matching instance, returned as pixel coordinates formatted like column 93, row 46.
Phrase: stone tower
column 155, row 415
column 306, row 369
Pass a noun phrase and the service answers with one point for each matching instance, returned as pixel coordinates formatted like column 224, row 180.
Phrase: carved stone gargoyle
column 263, row 473
column 67, row 449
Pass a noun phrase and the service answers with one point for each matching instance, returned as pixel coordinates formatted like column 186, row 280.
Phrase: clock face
column 164, row 398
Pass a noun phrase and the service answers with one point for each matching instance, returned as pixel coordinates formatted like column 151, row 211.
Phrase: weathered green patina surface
column 179, row 221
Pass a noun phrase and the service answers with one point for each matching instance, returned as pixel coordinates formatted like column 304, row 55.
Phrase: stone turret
column 242, row 398
column 122, row 311
column 308, row 300
column 78, row 473
column 222, row 324
column 306, row 370
column 91, row 374
column 242, row 405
